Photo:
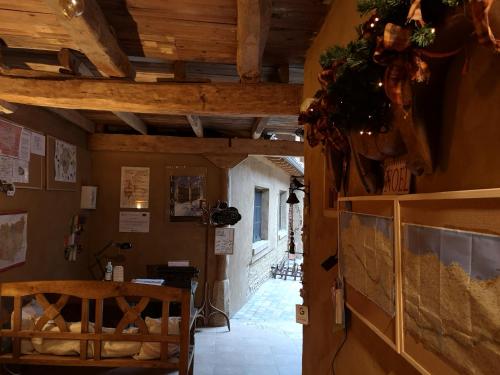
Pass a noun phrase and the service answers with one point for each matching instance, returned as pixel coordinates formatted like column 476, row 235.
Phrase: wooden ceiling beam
column 267, row 147
column 75, row 64
column 195, row 122
column 7, row 108
column 133, row 121
column 258, row 127
column 93, row 36
column 254, row 21
column 225, row 161
column 191, row 145
column 76, row 118
column 227, row 99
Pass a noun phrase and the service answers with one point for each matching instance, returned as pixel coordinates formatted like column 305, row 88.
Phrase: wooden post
column 221, row 283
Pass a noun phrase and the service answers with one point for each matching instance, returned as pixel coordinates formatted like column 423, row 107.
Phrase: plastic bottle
column 109, row 271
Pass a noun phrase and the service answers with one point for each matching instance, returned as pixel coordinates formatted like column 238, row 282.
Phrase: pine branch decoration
column 424, row 36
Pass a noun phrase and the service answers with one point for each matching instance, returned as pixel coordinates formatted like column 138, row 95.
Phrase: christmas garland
column 362, row 80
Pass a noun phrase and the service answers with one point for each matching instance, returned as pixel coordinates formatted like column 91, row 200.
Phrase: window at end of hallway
column 260, row 214
column 283, row 215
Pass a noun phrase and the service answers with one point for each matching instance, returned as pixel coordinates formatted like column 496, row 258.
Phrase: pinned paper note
column 131, row 221
column 37, row 144
column 20, row 171
column 25, row 145
column 6, row 165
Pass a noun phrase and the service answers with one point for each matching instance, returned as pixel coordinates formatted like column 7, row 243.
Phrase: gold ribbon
column 480, row 16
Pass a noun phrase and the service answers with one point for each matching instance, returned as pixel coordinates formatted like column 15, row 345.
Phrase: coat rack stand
column 207, row 308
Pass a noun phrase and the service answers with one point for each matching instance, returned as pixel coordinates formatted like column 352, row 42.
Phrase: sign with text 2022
column 397, row 177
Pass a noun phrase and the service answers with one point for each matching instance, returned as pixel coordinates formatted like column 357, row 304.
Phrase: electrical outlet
column 302, row 314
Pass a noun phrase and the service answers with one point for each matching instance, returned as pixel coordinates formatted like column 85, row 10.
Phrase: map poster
column 10, row 139
column 134, row 189
column 64, row 162
column 13, row 239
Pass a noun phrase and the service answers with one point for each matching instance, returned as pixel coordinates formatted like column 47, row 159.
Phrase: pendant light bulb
column 72, row 8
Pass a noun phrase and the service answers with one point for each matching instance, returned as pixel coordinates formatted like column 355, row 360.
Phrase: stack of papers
column 158, row 282
column 179, row 263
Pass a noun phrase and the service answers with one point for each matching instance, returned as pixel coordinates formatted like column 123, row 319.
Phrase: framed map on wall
column 13, row 239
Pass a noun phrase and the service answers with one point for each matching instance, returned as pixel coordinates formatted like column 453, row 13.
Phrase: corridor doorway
column 264, row 337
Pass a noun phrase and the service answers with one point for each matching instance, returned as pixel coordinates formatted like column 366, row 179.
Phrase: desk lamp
column 100, row 255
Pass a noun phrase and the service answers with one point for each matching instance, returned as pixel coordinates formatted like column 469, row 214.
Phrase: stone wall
column 251, row 263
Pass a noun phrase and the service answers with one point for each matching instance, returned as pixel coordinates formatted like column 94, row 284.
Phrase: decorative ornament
column 480, row 15
column 367, row 87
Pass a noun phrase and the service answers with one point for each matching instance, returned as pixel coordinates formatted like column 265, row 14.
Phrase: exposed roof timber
column 267, row 147
column 150, row 70
column 72, row 62
column 179, row 70
column 133, row 121
column 7, row 108
column 254, row 22
column 224, row 160
column 190, row 145
column 259, row 126
column 287, row 163
column 196, row 124
column 75, row 117
column 93, row 36
column 284, row 73
column 228, row 99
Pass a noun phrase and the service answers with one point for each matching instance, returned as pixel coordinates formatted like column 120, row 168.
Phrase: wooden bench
column 97, row 292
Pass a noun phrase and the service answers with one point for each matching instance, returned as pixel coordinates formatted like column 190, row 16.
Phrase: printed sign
column 302, row 314
column 397, row 177
column 224, row 240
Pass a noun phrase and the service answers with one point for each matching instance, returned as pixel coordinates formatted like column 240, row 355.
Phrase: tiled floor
column 264, row 337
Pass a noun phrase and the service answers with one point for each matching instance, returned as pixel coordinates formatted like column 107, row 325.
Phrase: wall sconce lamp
column 295, row 185
column 101, row 254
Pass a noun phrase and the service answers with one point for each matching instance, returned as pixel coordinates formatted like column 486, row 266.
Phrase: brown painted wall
column 468, row 144
column 49, row 212
column 166, row 240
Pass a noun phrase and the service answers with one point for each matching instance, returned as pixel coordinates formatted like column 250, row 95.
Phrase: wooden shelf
column 460, row 194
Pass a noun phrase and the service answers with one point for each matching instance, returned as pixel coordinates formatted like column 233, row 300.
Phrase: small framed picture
column 187, row 197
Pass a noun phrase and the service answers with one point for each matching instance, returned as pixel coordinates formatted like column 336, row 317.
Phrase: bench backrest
column 97, row 291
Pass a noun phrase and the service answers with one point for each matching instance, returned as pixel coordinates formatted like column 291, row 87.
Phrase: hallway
column 264, row 338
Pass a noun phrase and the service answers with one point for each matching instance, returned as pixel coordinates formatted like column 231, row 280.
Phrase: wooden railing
column 98, row 291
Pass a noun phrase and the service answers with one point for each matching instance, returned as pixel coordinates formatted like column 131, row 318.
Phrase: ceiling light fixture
column 72, row 8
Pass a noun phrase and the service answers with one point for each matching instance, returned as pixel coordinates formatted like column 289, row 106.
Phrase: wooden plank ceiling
column 165, row 41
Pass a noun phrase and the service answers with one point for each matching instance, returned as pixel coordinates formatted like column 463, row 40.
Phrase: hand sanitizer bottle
column 109, row 271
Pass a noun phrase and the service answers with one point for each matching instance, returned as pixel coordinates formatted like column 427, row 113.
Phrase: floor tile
column 264, row 338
